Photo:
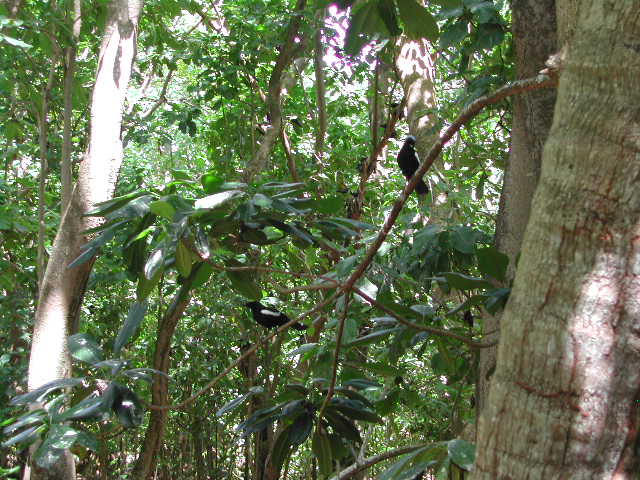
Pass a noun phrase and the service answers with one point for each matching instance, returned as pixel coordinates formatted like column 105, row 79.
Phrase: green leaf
column 27, row 436
column 485, row 12
column 155, row 263
column 90, row 407
column 387, row 12
column 87, row 440
column 322, row 450
column 244, row 281
column 396, row 471
column 162, row 208
column 24, row 420
column 496, row 299
column 211, row 182
column 239, row 400
column 202, row 275
column 103, row 208
column 38, row 393
column 301, row 350
column 454, row 34
column 281, row 448
column 301, row 429
column 418, row 22
column 492, row 262
column 136, row 314
column 145, row 285
column 85, row 348
column 354, row 409
column 373, row 337
column 361, row 383
column 488, row 36
column 59, row 438
column 183, row 259
column 462, row 453
column 143, row 374
column 217, row 199
column 463, row 282
column 14, row 41
column 342, row 425
column 365, row 25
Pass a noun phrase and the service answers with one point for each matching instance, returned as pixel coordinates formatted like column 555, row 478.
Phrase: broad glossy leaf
column 395, row 471
column 365, row 25
column 492, row 262
column 145, row 285
column 90, row 407
column 183, row 259
column 322, row 450
column 136, row 314
column 217, row 199
column 144, row 374
column 85, row 348
column 418, row 22
column 462, row 453
column 282, row 448
column 27, row 436
column 453, row 34
column 211, row 182
column 162, row 208
column 202, row 275
column 388, row 14
column 239, row 400
column 342, row 425
column 24, row 420
column 489, row 35
column 354, row 410
column 301, row 429
column 103, row 208
column 361, row 384
column 244, row 281
column 58, row 439
column 155, row 263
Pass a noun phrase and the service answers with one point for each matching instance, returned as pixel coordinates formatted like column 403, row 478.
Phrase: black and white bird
column 409, row 163
column 270, row 317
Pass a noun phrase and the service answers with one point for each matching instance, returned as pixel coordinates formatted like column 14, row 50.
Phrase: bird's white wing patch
column 269, row 312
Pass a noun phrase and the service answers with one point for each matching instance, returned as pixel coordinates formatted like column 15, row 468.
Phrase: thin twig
column 436, row 331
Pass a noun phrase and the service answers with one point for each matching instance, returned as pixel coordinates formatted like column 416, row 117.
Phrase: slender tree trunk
column 273, row 98
column 154, row 436
column 69, row 77
column 62, row 289
column 321, row 101
column 563, row 402
column 534, row 32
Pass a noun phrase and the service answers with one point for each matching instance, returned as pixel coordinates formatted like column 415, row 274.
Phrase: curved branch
column 540, row 81
column 370, row 461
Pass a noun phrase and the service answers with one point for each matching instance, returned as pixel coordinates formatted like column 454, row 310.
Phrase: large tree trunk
column 563, row 401
column 62, row 289
column 534, row 36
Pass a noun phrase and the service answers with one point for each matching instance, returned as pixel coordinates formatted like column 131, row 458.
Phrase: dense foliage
column 402, row 343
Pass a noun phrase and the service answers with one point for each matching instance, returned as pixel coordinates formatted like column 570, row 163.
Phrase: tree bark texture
column 563, row 401
column 274, row 94
column 534, row 34
column 62, row 289
column 154, row 436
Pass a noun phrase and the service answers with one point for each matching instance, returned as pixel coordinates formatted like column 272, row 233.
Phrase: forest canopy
column 276, row 239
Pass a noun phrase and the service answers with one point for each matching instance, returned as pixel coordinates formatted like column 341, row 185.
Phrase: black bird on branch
column 409, row 163
column 270, row 317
